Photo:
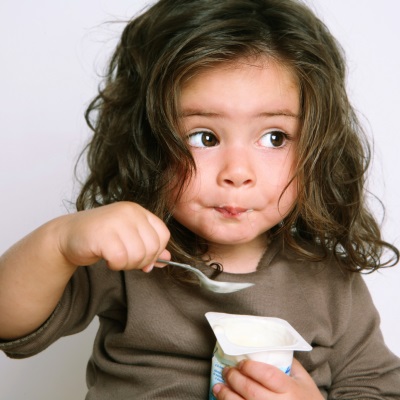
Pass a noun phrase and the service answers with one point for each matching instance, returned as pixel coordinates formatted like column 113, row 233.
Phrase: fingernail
column 217, row 388
column 225, row 371
column 148, row 268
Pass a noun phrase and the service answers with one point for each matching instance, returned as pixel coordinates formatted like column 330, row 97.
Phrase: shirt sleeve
column 362, row 365
column 91, row 291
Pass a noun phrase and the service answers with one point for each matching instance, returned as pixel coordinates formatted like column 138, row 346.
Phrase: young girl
column 223, row 137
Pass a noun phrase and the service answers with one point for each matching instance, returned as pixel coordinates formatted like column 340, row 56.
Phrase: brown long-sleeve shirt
column 155, row 343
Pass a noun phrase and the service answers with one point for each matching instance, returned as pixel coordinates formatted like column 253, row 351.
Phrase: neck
column 239, row 259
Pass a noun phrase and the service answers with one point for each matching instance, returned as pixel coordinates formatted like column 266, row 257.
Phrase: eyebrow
column 192, row 112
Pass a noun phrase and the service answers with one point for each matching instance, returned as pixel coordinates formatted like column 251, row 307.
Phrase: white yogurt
column 264, row 339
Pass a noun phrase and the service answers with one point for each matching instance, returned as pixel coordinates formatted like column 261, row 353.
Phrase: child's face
column 241, row 122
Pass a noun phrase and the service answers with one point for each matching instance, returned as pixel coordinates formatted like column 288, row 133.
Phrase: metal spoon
column 214, row 286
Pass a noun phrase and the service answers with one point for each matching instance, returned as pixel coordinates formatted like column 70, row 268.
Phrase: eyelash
column 200, row 134
column 285, row 137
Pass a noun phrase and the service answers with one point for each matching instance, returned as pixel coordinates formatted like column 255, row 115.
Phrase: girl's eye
column 202, row 139
column 274, row 139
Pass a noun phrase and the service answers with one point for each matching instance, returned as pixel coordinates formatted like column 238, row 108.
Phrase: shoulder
column 281, row 256
column 322, row 283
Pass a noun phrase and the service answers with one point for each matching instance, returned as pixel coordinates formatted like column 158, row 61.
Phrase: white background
column 51, row 55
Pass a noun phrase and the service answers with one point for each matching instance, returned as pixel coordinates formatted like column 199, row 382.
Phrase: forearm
column 33, row 276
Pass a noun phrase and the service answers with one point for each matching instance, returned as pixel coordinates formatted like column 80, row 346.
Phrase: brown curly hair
column 137, row 153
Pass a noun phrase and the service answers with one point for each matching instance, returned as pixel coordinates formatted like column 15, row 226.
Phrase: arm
column 362, row 365
column 36, row 270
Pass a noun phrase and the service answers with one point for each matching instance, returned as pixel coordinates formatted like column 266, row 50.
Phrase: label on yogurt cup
column 264, row 339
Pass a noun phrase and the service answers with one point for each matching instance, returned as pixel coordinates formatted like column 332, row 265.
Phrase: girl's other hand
column 125, row 234
column 255, row 380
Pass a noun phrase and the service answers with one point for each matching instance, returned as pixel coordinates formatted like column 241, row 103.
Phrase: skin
column 252, row 380
column 35, row 271
column 241, row 122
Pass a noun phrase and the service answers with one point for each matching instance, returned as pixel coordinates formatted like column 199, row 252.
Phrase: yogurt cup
column 240, row 337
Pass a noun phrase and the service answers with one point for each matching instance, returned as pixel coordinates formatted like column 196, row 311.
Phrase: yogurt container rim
column 216, row 320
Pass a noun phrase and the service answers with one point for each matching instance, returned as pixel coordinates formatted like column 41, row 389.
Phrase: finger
column 268, row 376
column 161, row 229
column 222, row 392
column 298, row 372
column 148, row 268
column 244, row 385
column 145, row 242
column 114, row 252
column 164, row 255
column 304, row 383
column 129, row 248
column 154, row 237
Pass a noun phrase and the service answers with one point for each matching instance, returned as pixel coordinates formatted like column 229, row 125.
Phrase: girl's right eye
column 202, row 139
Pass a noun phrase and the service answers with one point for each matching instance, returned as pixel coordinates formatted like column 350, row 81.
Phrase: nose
column 237, row 168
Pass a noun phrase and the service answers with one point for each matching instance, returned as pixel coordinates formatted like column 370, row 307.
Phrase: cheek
column 289, row 182
column 183, row 193
column 288, row 198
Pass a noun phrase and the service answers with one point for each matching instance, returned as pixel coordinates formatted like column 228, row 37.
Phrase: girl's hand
column 35, row 271
column 254, row 380
column 125, row 234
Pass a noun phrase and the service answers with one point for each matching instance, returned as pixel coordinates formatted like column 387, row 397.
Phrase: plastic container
column 264, row 339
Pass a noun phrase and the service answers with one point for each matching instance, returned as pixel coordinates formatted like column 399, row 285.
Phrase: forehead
column 249, row 84
column 240, row 63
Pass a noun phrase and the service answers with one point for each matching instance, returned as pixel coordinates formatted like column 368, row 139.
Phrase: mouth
column 229, row 211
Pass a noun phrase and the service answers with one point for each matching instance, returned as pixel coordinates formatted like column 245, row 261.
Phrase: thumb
column 298, row 371
column 164, row 255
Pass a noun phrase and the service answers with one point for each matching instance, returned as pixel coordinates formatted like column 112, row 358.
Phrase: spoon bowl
column 207, row 283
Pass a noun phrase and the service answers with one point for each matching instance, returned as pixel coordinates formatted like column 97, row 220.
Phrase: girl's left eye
column 202, row 139
column 274, row 139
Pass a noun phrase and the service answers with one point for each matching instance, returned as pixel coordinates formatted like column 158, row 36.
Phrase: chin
column 232, row 240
